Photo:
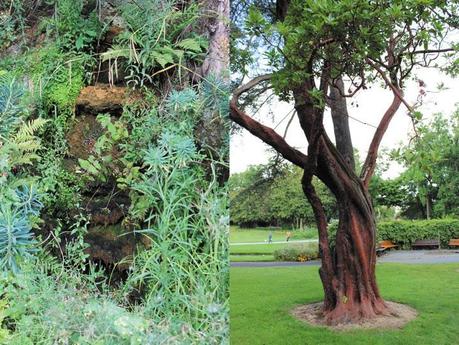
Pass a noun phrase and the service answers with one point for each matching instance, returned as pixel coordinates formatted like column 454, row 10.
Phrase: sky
column 368, row 107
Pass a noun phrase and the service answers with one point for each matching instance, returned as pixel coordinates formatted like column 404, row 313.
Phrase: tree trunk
column 355, row 294
column 428, row 206
column 340, row 117
column 348, row 270
column 212, row 131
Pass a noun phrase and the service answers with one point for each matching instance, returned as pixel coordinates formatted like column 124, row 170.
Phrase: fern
column 22, row 147
column 154, row 40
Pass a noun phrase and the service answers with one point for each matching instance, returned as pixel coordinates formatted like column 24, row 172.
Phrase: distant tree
column 432, row 168
column 262, row 195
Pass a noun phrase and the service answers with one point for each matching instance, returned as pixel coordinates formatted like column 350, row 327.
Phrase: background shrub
column 297, row 253
column 405, row 232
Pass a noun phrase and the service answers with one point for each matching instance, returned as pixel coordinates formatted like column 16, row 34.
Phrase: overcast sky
column 369, row 106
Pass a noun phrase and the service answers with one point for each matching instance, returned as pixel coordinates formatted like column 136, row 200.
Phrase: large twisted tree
column 310, row 47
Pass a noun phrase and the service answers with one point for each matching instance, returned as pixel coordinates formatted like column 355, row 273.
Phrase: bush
column 405, row 232
column 297, row 253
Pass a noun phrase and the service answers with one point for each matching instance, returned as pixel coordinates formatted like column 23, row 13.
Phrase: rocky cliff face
column 104, row 204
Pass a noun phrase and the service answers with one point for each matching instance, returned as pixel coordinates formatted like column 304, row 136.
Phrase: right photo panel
column 344, row 181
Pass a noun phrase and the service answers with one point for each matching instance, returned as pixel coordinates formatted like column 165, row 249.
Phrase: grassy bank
column 238, row 234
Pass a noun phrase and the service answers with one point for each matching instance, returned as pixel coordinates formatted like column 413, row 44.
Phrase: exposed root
column 388, row 315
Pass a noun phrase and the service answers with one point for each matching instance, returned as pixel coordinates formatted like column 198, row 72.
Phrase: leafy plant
column 299, row 253
column 11, row 94
column 16, row 238
column 154, row 41
column 74, row 31
column 19, row 200
column 11, row 21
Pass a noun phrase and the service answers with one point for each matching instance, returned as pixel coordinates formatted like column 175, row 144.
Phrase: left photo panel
column 113, row 172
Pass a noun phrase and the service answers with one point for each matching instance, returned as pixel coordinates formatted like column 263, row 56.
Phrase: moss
column 109, row 232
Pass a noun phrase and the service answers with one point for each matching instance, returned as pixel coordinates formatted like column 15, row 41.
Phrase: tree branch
column 431, row 51
column 394, row 88
column 265, row 133
column 370, row 162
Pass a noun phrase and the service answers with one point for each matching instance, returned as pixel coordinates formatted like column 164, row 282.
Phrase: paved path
column 274, row 242
column 398, row 256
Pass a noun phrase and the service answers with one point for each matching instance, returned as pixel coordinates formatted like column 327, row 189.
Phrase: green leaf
column 88, row 166
column 190, row 44
column 162, row 59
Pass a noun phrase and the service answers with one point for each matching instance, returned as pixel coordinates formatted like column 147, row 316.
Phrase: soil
column 401, row 315
column 102, row 98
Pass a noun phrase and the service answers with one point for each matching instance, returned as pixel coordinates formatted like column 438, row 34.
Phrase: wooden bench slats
column 426, row 243
column 454, row 242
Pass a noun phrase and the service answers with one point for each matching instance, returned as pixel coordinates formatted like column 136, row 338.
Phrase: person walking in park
column 289, row 234
column 270, row 237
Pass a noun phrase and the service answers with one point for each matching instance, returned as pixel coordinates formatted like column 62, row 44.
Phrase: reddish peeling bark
column 348, row 275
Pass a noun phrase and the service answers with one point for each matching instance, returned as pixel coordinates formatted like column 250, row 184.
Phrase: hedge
column 405, row 232
column 300, row 253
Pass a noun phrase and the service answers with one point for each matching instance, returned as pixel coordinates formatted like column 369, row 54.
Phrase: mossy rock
column 83, row 136
column 112, row 245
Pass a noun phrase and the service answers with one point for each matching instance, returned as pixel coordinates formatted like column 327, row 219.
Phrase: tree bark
column 340, row 119
column 348, row 273
column 212, row 131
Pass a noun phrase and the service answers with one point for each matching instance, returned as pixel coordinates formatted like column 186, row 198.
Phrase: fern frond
column 28, row 130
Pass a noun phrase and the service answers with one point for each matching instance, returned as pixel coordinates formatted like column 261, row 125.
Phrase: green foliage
column 18, row 199
column 431, row 166
column 156, row 40
column 4, row 333
column 74, row 310
column 59, row 76
column 11, row 93
column 270, row 195
column 16, row 238
column 11, row 22
column 343, row 34
column 73, row 30
column 405, row 232
column 299, row 253
column 176, row 289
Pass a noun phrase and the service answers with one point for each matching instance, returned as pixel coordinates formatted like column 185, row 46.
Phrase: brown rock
column 102, row 98
column 111, row 245
column 83, row 136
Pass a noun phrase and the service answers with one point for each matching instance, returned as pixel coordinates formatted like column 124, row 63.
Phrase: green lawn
column 262, row 297
column 268, row 248
column 251, row 258
column 261, row 234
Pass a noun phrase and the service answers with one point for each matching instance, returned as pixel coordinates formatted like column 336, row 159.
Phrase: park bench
column 383, row 246
column 426, row 244
column 454, row 242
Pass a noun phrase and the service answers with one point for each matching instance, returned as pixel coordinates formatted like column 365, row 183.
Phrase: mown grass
column 251, row 258
column 238, row 235
column 269, row 248
column 261, row 299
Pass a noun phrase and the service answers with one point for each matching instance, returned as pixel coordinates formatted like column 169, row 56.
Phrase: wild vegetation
column 113, row 219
